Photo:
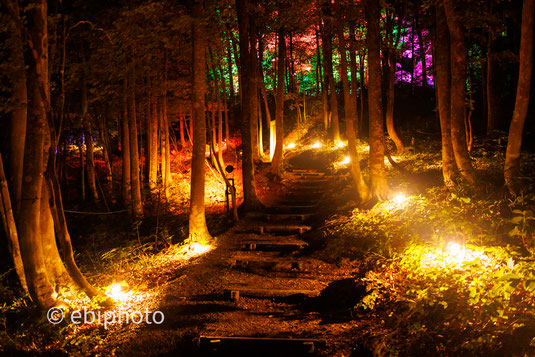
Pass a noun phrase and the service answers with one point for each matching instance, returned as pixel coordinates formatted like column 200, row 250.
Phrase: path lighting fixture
column 115, row 291
column 290, row 146
column 316, row 145
column 399, row 198
column 346, row 160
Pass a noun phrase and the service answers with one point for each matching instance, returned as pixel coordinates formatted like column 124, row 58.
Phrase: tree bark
column 10, row 227
column 443, row 82
column 350, row 113
column 28, row 221
column 19, row 97
column 492, row 93
column 458, row 93
column 276, row 162
column 198, row 231
column 250, row 201
column 514, row 143
column 379, row 185
column 137, row 208
column 88, row 139
column 125, row 150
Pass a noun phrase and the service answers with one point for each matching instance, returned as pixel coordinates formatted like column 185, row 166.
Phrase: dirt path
column 254, row 285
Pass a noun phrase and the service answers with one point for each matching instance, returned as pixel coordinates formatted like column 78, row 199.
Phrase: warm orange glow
column 115, row 291
column 346, row 160
column 290, row 146
column 316, row 145
column 400, row 198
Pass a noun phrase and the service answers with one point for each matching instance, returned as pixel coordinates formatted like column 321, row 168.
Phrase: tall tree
column 379, row 185
column 458, row 92
column 443, row 81
column 135, row 180
column 514, row 142
column 350, row 106
column 250, row 197
column 198, row 231
column 125, row 149
column 276, row 162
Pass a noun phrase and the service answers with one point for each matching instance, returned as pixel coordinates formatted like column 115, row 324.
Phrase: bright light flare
column 197, row 248
column 116, row 292
column 316, row 145
column 339, row 144
column 454, row 249
column 399, row 198
column 290, row 146
column 346, row 160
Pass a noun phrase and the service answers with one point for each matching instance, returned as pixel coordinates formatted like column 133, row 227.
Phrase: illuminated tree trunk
column 250, row 201
column 353, row 66
column 325, row 86
column 328, row 72
column 198, row 230
column 390, row 91
column 514, row 143
column 137, row 209
column 458, row 93
column 28, row 221
column 379, row 185
column 88, row 138
column 276, row 162
column 443, row 81
column 253, row 97
column 167, row 179
column 10, row 227
column 362, row 87
column 125, row 150
column 17, row 134
column 152, row 140
column 230, row 75
column 350, row 112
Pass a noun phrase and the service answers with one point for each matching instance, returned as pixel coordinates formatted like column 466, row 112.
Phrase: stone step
column 283, row 228
column 259, row 346
column 270, row 264
column 235, row 293
column 272, row 245
column 279, row 216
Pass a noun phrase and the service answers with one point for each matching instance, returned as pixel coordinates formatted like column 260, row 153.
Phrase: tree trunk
column 362, row 86
column 514, row 143
column 391, row 90
column 167, row 179
column 88, row 139
column 350, row 112
column 10, row 227
column 250, row 201
column 28, row 222
column 253, row 61
column 153, row 143
column 17, row 134
column 492, row 93
column 442, row 82
column 458, row 93
column 276, row 162
column 137, row 208
column 125, row 150
column 328, row 72
column 379, row 185
column 198, row 230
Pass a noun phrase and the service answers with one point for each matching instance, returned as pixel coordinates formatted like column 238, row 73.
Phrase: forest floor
column 432, row 271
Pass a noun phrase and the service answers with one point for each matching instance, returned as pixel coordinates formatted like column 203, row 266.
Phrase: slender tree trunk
column 277, row 160
column 167, row 173
column 442, row 82
column 125, row 149
column 350, row 113
column 254, row 86
column 17, row 134
column 379, row 184
column 88, row 138
column 458, row 93
column 325, row 86
column 391, row 90
column 251, row 201
column 198, row 230
column 10, row 227
column 492, row 93
column 328, row 60
column 362, row 86
column 514, row 143
column 353, row 66
column 230, row 76
column 153, row 142
column 137, row 208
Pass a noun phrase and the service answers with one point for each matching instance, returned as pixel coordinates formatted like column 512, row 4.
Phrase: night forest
column 267, row 178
